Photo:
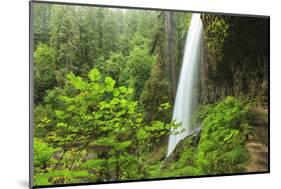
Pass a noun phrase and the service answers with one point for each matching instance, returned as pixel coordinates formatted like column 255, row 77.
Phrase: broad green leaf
column 94, row 75
column 142, row 134
column 76, row 82
column 109, row 83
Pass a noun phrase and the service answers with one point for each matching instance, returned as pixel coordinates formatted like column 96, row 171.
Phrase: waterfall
column 186, row 91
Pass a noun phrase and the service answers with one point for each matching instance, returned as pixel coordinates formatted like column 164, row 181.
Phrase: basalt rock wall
column 235, row 59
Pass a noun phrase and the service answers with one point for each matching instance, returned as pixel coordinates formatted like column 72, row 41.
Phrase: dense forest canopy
column 105, row 81
column 104, row 67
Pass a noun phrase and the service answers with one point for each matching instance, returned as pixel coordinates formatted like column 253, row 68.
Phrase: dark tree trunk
column 170, row 50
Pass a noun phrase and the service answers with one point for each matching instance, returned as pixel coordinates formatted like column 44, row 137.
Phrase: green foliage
column 113, row 66
column 132, row 70
column 42, row 153
column 138, row 70
column 117, row 43
column 76, row 82
column 222, row 145
column 41, row 23
column 44, row 68
column 64, row 32
column 98, row 118
column 156, row 92
column 59, row 177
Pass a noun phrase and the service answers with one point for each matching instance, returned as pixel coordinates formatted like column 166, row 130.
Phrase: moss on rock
column 235, row 57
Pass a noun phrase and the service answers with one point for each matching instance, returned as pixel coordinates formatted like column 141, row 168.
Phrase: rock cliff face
column 235, row 58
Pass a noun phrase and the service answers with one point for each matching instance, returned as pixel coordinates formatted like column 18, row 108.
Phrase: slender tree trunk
column 170, row 50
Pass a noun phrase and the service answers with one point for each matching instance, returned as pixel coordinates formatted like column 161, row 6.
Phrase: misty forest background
column 105, row 82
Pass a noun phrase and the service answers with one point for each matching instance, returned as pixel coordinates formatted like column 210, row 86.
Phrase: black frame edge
column 31, row 51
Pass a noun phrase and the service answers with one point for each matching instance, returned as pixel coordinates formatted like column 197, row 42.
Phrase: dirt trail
column 258, row 142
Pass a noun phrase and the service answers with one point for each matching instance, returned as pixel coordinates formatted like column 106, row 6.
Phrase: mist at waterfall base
column 186, row 96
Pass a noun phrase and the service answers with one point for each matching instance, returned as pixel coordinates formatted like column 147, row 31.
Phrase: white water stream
column 186, row 90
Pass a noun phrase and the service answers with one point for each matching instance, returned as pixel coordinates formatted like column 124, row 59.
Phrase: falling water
column 186, row 90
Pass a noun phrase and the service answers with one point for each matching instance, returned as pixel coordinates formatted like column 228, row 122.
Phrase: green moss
column 216, row 33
